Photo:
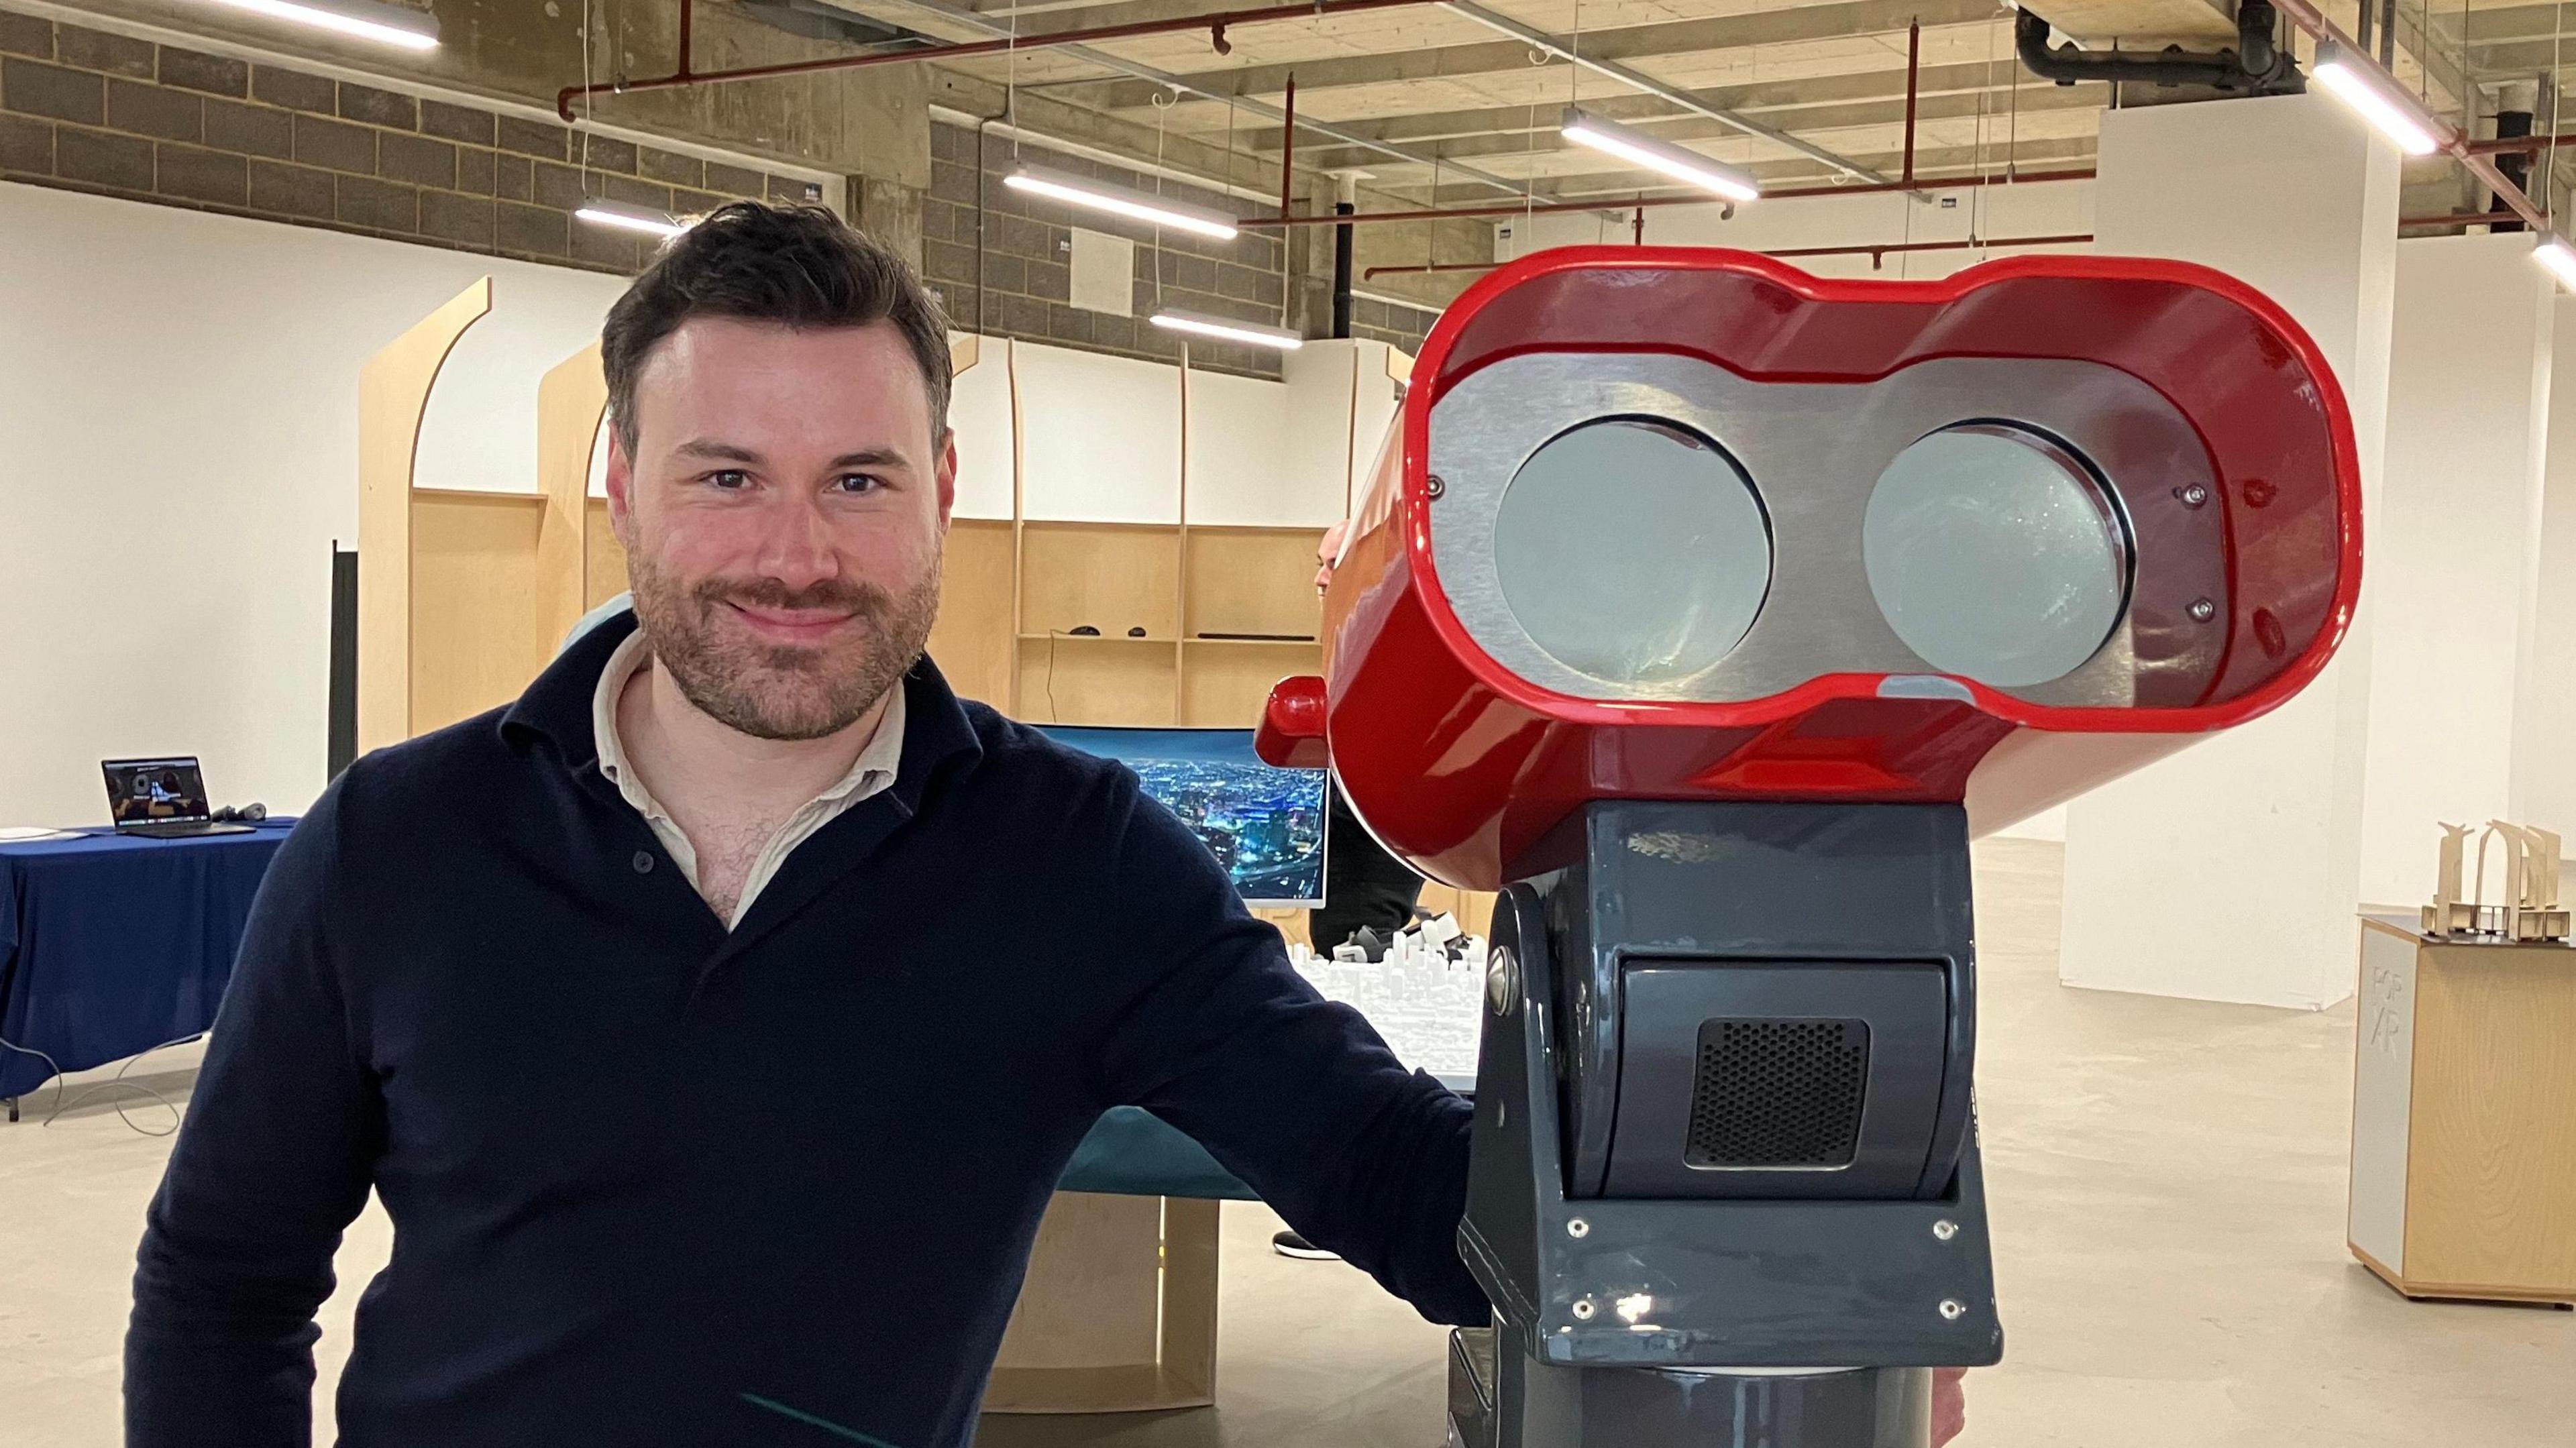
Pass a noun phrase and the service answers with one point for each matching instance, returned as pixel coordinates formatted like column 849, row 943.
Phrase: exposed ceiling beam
column 1629, row 76
column 949, row 10
column 1786, row 25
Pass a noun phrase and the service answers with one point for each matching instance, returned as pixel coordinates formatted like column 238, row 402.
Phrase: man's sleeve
column 273, row 1162
column 1217, row 1034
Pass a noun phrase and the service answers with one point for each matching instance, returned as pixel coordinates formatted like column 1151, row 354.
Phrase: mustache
column 842, row 594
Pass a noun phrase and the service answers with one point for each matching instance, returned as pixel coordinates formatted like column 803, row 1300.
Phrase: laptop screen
column 152, row 791
column 1265, row 825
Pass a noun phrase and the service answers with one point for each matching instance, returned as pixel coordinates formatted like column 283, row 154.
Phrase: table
column 112, row 944
column 2464, row 1116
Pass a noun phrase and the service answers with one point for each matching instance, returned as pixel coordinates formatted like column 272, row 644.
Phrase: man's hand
column 1949, row 1404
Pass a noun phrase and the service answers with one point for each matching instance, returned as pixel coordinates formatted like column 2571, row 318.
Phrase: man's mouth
column 791, row 626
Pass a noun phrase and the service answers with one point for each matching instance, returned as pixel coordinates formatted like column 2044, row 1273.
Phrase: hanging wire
column 1574, row 68
column 2012, row 140
column 589, row 97
column 1011, row 99
column 1977, row 219
column 2549, row 172
column 1163, row 104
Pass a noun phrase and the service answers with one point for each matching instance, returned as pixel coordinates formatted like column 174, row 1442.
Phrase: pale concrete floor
column 2167, row 1182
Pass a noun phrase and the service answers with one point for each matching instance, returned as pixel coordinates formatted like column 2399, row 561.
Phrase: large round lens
column 1996, row 555
column 1633, row 551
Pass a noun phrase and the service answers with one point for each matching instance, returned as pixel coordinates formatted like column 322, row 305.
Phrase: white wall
column 2044, row 208
column 2231, row 871
column 2542, row 785
column 178, row 450
column 2451, row 567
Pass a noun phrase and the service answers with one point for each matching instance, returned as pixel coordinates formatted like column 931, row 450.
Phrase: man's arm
column 1298, row 1096
column 273, row 1162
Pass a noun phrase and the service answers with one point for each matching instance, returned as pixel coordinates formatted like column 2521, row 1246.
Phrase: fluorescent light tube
column 1228, row 329
column 1731, row 182
column 2558, row 259
column 631, row 218
column 365, row 19
column 1101, row 196
column 2393, row 115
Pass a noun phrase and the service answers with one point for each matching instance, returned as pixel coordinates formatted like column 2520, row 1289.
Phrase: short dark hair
column 800, row 266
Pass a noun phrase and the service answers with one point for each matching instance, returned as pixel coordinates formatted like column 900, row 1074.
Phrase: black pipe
column 2387, row 35
column 2257, row 66
column 2516, row 165
column 1342, row 270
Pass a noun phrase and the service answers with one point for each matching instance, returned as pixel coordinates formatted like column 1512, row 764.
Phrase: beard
column 773, row 691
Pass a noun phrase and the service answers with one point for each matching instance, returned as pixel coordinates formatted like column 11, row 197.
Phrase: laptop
column 162, row 798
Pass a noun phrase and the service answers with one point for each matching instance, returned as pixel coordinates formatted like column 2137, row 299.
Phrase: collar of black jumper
column 556, row 708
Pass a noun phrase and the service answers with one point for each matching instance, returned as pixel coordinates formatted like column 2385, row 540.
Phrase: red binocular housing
column 1686, row 524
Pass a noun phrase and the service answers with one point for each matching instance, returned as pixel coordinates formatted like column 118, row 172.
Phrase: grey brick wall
column 1026, row 248
column 1406, row 327
column 92, row 111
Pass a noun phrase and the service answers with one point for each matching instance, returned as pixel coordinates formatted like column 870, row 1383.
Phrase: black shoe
column 1289, row 1244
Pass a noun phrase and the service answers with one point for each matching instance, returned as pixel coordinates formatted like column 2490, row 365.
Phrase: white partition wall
column 1238, row 432
column 2451, row 568
column 1100, row 437
column 980, row 417
column 2232, row 871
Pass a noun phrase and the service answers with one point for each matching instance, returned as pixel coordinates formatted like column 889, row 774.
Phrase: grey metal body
column 1639, row 1300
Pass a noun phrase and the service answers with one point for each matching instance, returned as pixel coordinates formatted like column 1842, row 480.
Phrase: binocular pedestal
column 1543, row 1405
column 1725, row 1186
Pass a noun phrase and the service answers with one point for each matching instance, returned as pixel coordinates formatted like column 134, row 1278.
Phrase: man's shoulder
column 444, row 768
column 1021, row 756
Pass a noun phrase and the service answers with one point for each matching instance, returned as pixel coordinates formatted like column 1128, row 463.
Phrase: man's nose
column 796, row 542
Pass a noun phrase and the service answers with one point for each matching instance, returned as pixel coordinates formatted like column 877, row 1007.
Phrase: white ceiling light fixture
column 1120, row 201
column 631, row 218
column 361, row 19
column 2391, row 113
column 1227, row 329
column 2558, row 259
column 1732, row 182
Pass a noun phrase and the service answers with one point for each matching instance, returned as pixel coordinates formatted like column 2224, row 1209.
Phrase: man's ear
column 621, row 488
column 947, row 471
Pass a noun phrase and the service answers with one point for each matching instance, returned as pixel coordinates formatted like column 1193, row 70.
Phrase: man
column 706, row 1019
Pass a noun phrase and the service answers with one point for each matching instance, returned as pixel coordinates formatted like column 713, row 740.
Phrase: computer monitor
column 155, row 791
column 1264, row 825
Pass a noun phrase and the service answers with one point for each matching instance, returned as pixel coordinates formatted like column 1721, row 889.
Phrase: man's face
column 783, row 511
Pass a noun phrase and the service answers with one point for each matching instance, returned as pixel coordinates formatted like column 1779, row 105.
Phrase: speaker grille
column 1778, row 1094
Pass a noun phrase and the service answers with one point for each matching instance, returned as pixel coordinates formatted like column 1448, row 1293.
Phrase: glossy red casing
column 1460, row 766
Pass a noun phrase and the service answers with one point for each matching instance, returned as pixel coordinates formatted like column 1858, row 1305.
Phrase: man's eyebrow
column 719, row 451
column 873, row 457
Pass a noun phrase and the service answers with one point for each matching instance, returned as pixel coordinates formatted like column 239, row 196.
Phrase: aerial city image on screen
column 1265, row 825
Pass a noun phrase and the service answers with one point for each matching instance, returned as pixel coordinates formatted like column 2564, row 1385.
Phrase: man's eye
column 859, row 484
column 730, row 479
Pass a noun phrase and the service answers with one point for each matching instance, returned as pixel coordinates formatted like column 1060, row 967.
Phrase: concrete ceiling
column 1456, row 95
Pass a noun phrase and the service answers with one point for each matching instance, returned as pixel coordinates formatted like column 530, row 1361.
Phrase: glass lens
column 1633, row 551
column 1996, row 555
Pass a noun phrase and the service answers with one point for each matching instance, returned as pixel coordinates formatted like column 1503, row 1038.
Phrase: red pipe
column 683, row 77
column 1881, row 249
column 1913, row 79
column 2506, row 145
column 2309, row 18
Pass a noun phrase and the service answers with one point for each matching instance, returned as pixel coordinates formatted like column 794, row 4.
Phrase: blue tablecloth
column 110, row 944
